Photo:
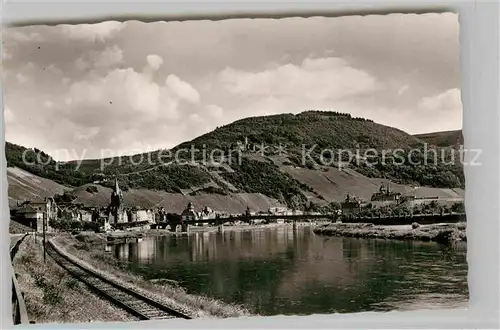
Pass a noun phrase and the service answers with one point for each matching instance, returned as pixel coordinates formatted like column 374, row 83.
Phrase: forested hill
column 41, row 164
column 278, row 175
column 322, row 128
column 443, row 139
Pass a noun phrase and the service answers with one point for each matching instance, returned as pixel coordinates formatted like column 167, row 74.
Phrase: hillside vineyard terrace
column 308, row 155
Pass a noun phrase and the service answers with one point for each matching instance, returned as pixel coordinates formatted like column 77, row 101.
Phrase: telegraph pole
column 44, row 225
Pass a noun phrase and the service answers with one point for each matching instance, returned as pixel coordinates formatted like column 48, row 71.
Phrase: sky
column 118, row 88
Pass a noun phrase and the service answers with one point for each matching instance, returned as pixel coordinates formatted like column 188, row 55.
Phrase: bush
column 64, row 198
column 92, row 189
column 69, row 225
column 90, row 226
column 253, row 176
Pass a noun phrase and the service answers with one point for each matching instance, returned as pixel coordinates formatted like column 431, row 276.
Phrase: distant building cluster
column 38, row 213
column 41, row 214
column 386, row 194
column 116, row 213
column 350, row 205
column 284, row 211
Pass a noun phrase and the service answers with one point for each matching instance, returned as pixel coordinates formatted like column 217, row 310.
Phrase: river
column 279, row 270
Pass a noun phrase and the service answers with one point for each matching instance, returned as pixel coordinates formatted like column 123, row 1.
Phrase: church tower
column 116, row 204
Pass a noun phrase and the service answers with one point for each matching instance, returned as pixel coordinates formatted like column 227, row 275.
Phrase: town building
column 385, row 194
column 278, row 210
column 116, row 211
column 37, row 212
column 75, row 213
column 160, row 215
column 207, row 213
column 29, row 216
column 351, row 205
column 189, row 214
column 143, row 215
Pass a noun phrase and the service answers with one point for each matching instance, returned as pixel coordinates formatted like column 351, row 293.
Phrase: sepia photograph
column 235, row 168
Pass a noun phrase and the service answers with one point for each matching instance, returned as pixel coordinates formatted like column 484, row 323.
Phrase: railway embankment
column 125, row 297
column 89, row 252
column 52, row 296
column 446, row 232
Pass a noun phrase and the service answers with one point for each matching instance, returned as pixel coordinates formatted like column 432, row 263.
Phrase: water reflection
column 286, row 271
column 122, row 251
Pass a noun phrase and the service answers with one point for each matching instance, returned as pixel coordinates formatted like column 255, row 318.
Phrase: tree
column 458, row 207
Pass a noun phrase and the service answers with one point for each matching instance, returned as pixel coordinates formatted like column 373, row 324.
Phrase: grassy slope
column 53, row 296
column 24, row 185
column 176, row 202
column 442, row 139
column 332, row 185
column 39, row 163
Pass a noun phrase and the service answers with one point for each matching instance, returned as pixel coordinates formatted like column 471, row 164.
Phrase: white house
column 278, row 210
column 145, row 215
column 33, row 212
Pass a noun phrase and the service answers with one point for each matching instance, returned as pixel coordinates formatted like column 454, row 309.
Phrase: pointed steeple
column 117, row 189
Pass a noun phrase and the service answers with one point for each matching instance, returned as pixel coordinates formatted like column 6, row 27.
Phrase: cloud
column 8, row 116
column 53, row 69
column 154, row 61
column 402, row 89
column 446, row 101
column 21, row 35
column 6, row 55
column 184, row 90
column 319, row 79
column 115, row 109
column 81, row 64
column 48, row 104
column 104, row 109
column 433, row 113
column 104, row 59
column 214, row 111
column 124, row 91
column 92, row 32
column 108, row 57
column 21, row 78
column 315, row 83
column 111, row 89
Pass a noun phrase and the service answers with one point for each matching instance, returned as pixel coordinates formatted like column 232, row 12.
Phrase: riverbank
column 436, row 232
column 120, row 235
column 51, row 296
column 88, row 249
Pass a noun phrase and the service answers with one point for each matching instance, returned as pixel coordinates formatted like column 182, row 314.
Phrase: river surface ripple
column 285, row 271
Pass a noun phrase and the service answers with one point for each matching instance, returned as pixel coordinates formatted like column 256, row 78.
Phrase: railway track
column 19, row 311
column 15, row 241
column 133, row 302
